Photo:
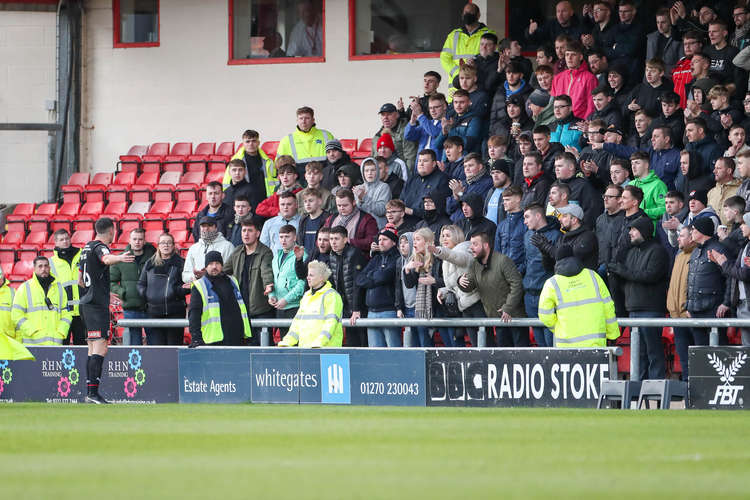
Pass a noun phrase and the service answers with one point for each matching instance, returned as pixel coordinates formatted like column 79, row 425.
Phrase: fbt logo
column 336, row 384
column 726, row 394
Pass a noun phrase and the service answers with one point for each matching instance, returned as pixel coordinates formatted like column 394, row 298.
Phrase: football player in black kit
column 95, row 297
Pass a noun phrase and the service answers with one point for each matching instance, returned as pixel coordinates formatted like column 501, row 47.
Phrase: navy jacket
column 378, row 278
column 536, row 274
column 417, row 187
column 509, row 239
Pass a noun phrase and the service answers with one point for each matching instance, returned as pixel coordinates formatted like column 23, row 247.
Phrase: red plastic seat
column 218, row 162
column 161, row 207
column 117, row 193
column 83, row 223
column 177, row 221
column 102, row 178
column 116, row 208
column 48, row 250
column 174, row 164
column 15, row 224
column 158, row 149
column 123, row 238
column 139, row 207
column 37, row 238
column 182, row 149
column 170, row 177
column 79, row 179
column 70, row 209
column 205, row 148
column 28, row 252
column 14, row 237
column 129, row 163
column 7, row 267
column 163, row 192
column 138, row 150
column 226, row 149
column 196, row 178
column 349, row 145
column 147, row 179
column 180, row 236
column 365, row 145
column 186, row 192
column 214, row 175
column 60, row 221
column 24, row 209
column 23, row 268
column 152, row 235
column 153, row 221
column 360, row 155
column 92, row 208
column 37, row 223
column 46, row 209
column 197, row 163
column 80, row 238
column 72, row 193
column 8, row 252
column 185, row 206
column 270, row 148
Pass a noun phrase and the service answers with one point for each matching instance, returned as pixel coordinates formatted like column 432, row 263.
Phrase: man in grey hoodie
column 372, row 195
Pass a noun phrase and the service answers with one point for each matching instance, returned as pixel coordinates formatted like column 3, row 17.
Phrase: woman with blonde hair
column 456, row 256
column 425, row 273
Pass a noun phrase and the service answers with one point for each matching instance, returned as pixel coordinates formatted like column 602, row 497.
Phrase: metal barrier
column 634, row 323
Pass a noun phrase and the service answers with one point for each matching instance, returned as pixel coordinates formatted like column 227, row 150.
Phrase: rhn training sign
column 719, row 377
column 516, row 377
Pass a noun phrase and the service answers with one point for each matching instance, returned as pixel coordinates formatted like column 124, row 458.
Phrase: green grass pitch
column 278, row 451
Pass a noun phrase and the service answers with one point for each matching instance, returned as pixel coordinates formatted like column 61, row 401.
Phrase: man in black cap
column 698, row 208
column 394, row 124
column 217, row 313
column 493, row 202
column 643, row 276
column 706, row 283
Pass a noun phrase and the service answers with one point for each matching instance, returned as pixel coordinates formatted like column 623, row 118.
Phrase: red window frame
column 116, row 43
column 273, row 60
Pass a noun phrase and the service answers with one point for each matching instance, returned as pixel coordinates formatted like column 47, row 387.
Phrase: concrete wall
column 27, row 79
column 185, row 90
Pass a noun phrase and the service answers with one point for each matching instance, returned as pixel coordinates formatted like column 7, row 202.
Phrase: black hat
column 501, row 165
column 387, row 108
column 214, row 256
column 207, row 219
column 515, row 99
column 644, row 226
column 700, row 195
column 389, row 231
column 539, row 98
column 704, row 225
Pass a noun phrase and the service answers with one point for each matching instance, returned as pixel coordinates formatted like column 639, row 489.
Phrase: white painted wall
column 184, row 90
column 27, row 79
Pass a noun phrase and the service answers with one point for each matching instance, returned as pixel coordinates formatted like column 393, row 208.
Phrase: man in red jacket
column 576, row 81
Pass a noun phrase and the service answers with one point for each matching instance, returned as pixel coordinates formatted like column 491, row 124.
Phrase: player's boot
column 96, row 399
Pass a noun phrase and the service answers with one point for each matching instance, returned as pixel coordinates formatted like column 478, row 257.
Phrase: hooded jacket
column 435, row 219
column 645, row 271
column 586, row 195
column 478, row 223
column 536, row 274
column 611, row 114
column 456, row 262
column 330, row 171
column 578, row 84
column 377, row 195
column 344, row 271
column 582, row 241
column 498, row 112
column 566, row 131
column 405, row 297
column 697, row 179
column 196, row 256
column 654, row 191
column 379, row 279
column 706, row 283
column 509, row 239
column 161, row 287
column 708, row 151
column 608, row 230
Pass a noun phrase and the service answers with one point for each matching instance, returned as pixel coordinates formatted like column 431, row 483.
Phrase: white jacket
column 457, row 261
column 196, row 256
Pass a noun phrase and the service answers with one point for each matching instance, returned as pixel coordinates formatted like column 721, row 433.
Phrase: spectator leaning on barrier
column 379, row 279
column 260, row 171
column 499, row 284
column 307, row 143
column 346, row 262
column 644, row 276
column 64, row 267
column 124, row 278
column 161, row 287
column 424, row 273
column 738, row 276
column 287, row 287
column 677, row 296
column 250, row 264
column 217, row 314
column 7, row 326
column 318, row 320
column 40, row 308
column 575, row 304
column 216, row 209
column 210, row 239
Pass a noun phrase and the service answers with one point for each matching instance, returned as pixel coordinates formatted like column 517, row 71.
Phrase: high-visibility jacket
column 11, row 349
column 307, row 146
column 6, row 303
column 318, row 320
column 269, row 171
column 459, row 44
column 211, row 315
column 36, row 321
column 67, row 275
column 579, row 310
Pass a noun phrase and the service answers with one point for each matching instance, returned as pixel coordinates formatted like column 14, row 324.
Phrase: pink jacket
column 578, row 84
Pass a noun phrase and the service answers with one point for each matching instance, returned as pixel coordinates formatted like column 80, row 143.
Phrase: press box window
column 276, row 31
column 388, row 28
column 136, row 23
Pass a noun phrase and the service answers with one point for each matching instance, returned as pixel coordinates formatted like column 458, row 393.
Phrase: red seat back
column 226, row 149
column 158, row 149
column 137, row 150
column 182, row 148
column 270, row 148
column 205, row 148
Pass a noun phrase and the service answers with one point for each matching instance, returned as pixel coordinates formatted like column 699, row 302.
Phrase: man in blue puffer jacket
column 511, row 230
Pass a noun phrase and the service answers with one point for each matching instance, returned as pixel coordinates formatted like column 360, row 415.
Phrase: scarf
column 423, row 305
column 473, row 179
column 530, row 181
column 209, row 237
column 348, row 221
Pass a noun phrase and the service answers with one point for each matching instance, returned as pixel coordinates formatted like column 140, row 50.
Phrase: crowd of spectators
column 626, row 143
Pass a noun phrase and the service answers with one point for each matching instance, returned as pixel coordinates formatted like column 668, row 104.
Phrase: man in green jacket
column 251, row 264
column 654, row 189
column 287, row 287
column 123, row 278
column 500, row 288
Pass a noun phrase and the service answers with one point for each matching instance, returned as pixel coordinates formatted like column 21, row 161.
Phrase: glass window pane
column 139, row 21
column 277, row 28
column 406, row 26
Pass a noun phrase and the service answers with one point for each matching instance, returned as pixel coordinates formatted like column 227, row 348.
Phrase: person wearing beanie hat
column 386, row 149
column 334, row 144
column 307, row 143
column 697, row 201
column 501, row 179
column 643, row 275
column 393, row 124
column 227, row 324
column 541, row 105
column 706, row 284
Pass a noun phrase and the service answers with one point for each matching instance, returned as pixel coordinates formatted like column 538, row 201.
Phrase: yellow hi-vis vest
column 211, row 315
column 269, row 171
column 67, row 275
column 305, row 147
column 318, row 320
column 7, row 326
column 459, row 45
column 36, row 321
column 579, row 310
